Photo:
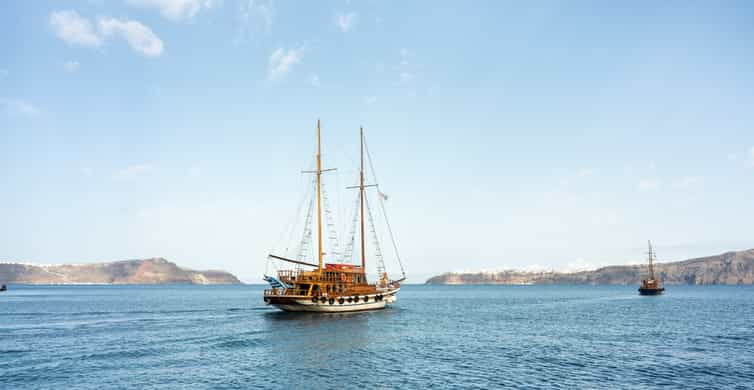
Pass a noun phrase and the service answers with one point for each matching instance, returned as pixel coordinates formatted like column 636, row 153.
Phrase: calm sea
column 214, row 337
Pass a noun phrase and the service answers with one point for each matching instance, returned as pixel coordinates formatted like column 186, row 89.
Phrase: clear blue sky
column 507, row 134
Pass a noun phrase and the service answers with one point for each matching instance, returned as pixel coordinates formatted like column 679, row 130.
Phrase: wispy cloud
column 406, row 68
column 684, row 182
column 649, row 184
column 314, row 81
column 71, row 66
column 74, row 29
column 346, row 21
column 255, row 18
column 15, row 107
column 574, row 176
column 195, row 170
column 139, row 37
column 406, row 77
column 176, row 10
column 133, row 172
column 282, row 60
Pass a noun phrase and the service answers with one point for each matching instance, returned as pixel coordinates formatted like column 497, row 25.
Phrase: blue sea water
column 216, row 337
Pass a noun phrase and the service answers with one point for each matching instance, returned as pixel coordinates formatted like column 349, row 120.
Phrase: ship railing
column 327, row 276
column 271, row 291
column 285, row 291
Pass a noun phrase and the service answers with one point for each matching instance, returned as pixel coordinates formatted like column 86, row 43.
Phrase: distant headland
column 727, row 268
column 146, row 271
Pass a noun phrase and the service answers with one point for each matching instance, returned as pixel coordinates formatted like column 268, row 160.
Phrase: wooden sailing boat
column 331, row 287
column 652, row 285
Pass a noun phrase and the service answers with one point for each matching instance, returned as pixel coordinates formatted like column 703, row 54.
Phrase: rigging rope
column 377, row 251
column 332, row 233
column 384, row 211
column 288, row 231
column 348, row 255
column 306, row 237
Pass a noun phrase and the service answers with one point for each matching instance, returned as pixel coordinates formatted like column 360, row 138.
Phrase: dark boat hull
column 651, row 291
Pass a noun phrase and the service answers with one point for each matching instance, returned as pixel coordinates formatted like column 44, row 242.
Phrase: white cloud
column 649, row 184
column 345, row 21
column 133, row 172
column 15, row 107
column 404, row 56
column 314, row 80
column 282, row 60
column 176, row 10
column 579, row 174
column 195, row 171
column 406, row 77
column 255, row 17
column 406, row 68
column 684, row 182
column 74, row 29
column 139, row 37
column 71, row 66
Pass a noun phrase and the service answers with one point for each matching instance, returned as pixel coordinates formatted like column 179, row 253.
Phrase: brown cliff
column 147, row 271
column 727, row 268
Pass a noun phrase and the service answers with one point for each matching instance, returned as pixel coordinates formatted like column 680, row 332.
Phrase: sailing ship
column 336, row 286
column 651, row 285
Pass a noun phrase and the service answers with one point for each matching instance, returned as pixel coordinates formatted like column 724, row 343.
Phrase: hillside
column 147, row 271
column 727, row 268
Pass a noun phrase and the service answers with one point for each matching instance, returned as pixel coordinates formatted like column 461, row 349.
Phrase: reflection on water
column 313, row 333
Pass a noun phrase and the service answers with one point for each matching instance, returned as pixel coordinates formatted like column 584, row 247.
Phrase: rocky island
column 146, row 271
column 726, row 268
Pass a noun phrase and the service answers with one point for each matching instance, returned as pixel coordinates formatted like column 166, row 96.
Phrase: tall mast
column 319, row 200
column 651, row 266
column 361, row 197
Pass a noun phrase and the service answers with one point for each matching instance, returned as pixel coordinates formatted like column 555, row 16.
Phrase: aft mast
column 651, row 258
column 361, row 198
column 319, row 199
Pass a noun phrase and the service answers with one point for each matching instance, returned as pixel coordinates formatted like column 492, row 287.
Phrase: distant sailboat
column 336, row 286
column 651, row 285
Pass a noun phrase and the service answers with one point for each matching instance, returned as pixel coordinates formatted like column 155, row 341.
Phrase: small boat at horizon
column 651, row 285
column 336, row 286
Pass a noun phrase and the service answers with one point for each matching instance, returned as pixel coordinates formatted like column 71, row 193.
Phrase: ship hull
column 306, row 304
column 651, row 291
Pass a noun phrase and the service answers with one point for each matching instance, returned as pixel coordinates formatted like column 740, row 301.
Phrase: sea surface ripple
column 218, row 337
